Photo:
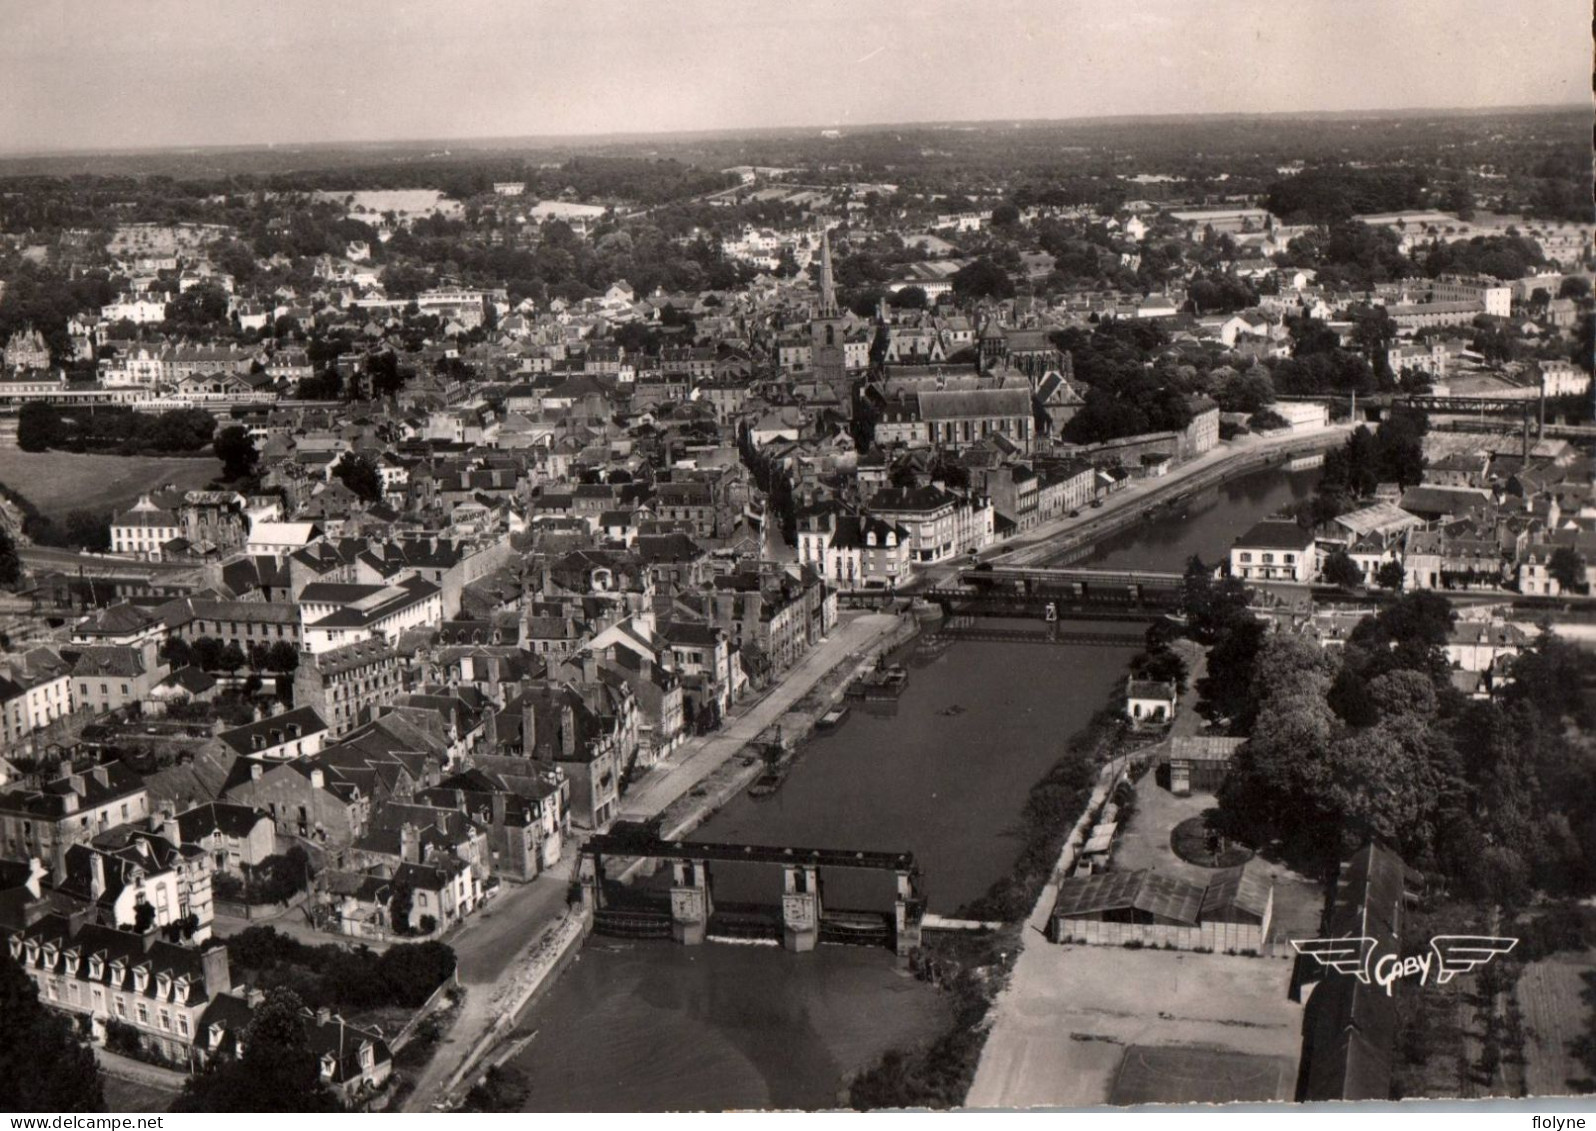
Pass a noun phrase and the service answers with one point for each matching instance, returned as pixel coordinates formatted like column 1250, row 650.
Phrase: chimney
column 255, row 771
column 171, row 830
column 36, row 873
column 323, row 1015
column 318, row 779
column 589, row 667
column 102, row 775
column 442, row 820
column 96, row 874
column 529, row 728
column 409, row 844
column 218, row 978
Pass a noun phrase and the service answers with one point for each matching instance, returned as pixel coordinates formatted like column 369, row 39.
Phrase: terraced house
column 113, row 977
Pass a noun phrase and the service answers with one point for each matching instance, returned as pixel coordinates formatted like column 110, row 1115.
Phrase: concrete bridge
column 805, row 922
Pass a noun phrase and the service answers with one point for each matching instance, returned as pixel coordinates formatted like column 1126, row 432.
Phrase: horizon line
column 615, row 137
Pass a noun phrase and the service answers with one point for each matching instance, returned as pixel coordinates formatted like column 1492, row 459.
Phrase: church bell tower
column 827, row 332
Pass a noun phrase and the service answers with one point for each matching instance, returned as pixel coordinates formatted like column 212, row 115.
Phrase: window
column 144, row 1013
column 182, row 1024
column 121, row 1008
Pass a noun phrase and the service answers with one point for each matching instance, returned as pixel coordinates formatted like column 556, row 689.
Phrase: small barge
column 832, row 718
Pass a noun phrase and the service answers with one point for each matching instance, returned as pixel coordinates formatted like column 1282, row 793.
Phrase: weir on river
column 690, row 915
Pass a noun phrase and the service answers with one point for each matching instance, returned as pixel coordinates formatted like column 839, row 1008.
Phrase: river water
column 656, row 1026
column 1205, row 524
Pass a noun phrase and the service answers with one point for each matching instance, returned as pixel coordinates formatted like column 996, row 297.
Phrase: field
column 1064, row 1039
column 59, row 482
column 1557, row 996
column 1184, row 1075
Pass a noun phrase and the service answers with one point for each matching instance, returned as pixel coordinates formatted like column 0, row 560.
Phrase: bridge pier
column 800, row 907
column 590, row 874
column 691, row 905
column 909, row 912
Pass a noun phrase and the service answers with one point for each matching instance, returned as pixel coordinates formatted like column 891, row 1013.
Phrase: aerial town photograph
column 821, row 557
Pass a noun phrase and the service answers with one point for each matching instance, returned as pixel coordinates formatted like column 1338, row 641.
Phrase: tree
column 282, row 657
column 88, row 530
column 981, row 278
column 412, row 971
column 176, row 652
column 501, row 1089
column 1005, row 215
column 360, row 475
column 231, row 657
column 399, row 903
column 10, row 561
column 236, row 451
column 206, row 653
column 1574, row 287
column 1340, row 569
column 1567, row 568
column 1390, row 576
column 278, row 1072
column 45, row 1064
column 143, row 917
column 38, row 426
column 911, row 298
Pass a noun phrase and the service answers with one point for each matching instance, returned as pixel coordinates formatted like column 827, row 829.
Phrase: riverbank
column 1061, row 537
column 976, row 968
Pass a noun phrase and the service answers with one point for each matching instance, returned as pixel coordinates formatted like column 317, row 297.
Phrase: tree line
column 115, row 429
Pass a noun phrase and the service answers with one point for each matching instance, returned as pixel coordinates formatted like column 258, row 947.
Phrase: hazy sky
column 80, row 74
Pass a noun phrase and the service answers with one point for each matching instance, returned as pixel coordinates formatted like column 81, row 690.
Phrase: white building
column 131, row 308
column 143, row 530
column 1563, row 379
column 1274, row 550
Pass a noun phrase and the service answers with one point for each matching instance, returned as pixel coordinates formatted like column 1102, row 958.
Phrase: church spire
column 828, row 286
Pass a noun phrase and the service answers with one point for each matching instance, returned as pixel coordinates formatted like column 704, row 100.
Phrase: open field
column 1188, row 1075
column 1557, row 996
column 58, row 482
column 1064, row 1044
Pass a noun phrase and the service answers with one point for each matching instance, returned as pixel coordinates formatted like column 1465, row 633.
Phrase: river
column 656, row 1026
column 1205, row 524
